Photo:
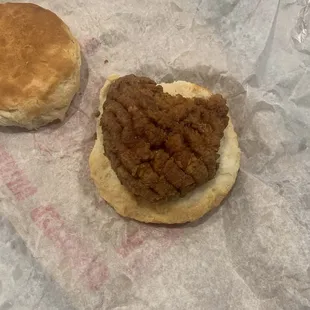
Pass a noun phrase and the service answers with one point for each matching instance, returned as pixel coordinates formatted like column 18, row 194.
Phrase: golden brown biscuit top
column 37, row 52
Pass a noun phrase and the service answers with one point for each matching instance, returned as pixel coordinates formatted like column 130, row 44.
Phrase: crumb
column 96, row 114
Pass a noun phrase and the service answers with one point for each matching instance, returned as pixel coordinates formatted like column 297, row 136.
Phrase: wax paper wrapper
column 253, row 251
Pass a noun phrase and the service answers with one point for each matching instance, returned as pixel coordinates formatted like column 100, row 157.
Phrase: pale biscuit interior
column 195, row 204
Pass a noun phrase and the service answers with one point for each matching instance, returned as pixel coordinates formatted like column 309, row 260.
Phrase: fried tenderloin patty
column 161, row 146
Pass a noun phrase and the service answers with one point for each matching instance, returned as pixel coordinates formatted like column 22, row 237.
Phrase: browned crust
column 37, row 53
